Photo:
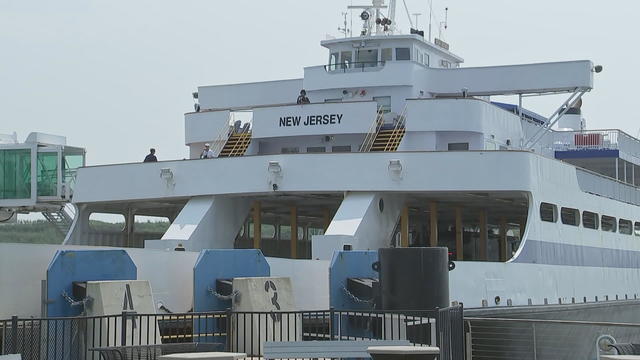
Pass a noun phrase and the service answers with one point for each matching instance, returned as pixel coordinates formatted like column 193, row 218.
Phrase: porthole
column 381, row 205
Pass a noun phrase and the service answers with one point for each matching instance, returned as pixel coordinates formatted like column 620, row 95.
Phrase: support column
column 294, row 232
column 404, row 227
column 503, row 239
column 326, row 219
column 129, row 229
column 257, row 224
column 433, row 223
column 484, row 244
column 459, row 233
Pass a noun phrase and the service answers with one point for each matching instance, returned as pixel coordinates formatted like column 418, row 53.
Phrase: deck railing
column 73, row 337
column 609, row 139
column 533, row 339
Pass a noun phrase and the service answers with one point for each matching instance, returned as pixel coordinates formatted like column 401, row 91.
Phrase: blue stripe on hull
column 547, row 253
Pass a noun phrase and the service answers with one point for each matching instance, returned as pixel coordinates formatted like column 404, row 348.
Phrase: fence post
column 535, row 353
column 13, row 347
column 228, row 316
column 332, row 313
column 123, row 329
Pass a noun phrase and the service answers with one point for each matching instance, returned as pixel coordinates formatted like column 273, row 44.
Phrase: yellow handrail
column 395, row 137
column 222, row 138
column 373, row 131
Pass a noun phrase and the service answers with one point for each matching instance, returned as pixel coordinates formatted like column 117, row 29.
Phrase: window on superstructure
column 426, row 59
column 548, row 212
column 386, row 55
column 625, row 227
column 367, row 57
column 590, row 220
column 333, row 61
column 267, row 231
column 341, row 148
column 316, row 149
column 403, row 54
column 636, row 228
column 346, row 59
column 290, row 150
column 570, row 216
column 458, row 146
column 608, row 223
column 384, row 103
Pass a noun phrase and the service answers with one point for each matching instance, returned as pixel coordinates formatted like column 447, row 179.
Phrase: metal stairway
column 387, row 140
column 236, row 145
column 380, row 139
column 61, row 219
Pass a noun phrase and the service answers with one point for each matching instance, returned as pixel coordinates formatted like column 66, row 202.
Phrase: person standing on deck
column 302, row 98
column 207, row 153
column 152, row 156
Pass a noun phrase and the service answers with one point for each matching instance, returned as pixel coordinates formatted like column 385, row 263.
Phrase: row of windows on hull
column 590, row 220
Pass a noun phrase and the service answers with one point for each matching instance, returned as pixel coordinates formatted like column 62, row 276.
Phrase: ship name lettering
column 290, row 120
column 325, row 119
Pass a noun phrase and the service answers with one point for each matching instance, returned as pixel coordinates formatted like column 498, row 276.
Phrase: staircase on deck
column 236, row 144
column 387, row 140
column 61, row 219
column 381, row 138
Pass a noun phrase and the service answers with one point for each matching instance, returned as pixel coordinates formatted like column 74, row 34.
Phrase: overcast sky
column 116, row 76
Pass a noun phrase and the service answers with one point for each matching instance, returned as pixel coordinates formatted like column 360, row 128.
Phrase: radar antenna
column 345, row 30
column 371, row 15
column 444, row 23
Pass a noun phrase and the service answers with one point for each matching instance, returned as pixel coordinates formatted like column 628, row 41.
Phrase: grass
column 42, row 232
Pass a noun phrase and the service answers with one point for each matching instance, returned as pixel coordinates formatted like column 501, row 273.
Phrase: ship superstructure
column 399, row 146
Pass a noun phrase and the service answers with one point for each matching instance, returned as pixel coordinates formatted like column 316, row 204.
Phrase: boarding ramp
column 38, row 176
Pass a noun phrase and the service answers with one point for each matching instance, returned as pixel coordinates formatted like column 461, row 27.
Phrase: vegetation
column 41, row 232
column 34, row 232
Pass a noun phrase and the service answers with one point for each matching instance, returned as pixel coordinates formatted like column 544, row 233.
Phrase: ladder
column 236, row 145
column 61, row 219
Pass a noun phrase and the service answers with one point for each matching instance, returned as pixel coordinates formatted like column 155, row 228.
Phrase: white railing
column 609, row 139
column 373, row 131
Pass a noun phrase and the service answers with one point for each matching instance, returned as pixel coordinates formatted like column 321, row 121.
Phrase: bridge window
column 346, row 59
column 625, row 227
column 570, row 216
column 608, row 223
column 590, row 220
column 367, row 57
column 636, row 228
column 386, row 55
column 403, row 54
column 548, row 212
column 333, row 61
column 15, row 174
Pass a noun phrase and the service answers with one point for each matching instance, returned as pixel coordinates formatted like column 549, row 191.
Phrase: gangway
column 38, row 175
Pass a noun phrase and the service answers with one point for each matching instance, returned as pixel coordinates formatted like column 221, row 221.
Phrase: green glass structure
column 48, row 173
column 15, row 174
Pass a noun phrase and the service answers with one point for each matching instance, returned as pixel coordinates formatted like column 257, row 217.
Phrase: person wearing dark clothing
column 302, row 99
column 152, row 156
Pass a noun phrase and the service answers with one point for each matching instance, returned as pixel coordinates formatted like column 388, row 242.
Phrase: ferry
column 390, row 142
